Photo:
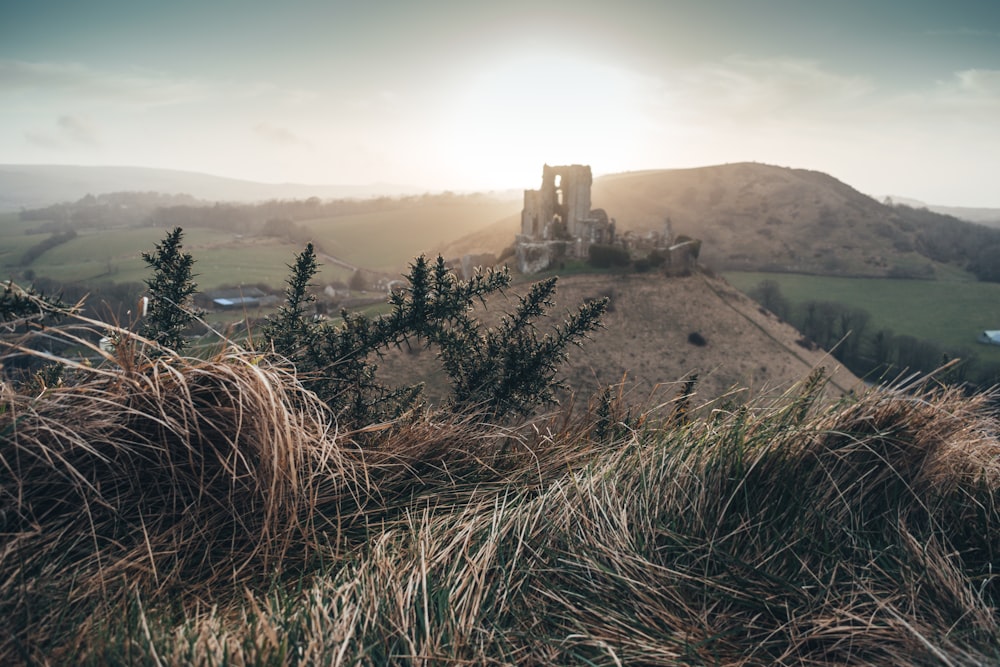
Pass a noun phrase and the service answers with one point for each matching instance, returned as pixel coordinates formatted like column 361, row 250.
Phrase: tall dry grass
column 183, row 511
column 177, row 480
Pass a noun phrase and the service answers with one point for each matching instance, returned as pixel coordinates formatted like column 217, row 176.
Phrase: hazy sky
column 893, row 97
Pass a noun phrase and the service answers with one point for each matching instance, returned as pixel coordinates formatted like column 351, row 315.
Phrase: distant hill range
column 35, row 186
column 982, row 216
column 749, row 216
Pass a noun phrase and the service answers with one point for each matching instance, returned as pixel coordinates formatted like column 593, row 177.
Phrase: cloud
column 962, row 32
column 87, row 85
column 69, row 131
column 742, row 89
column 77, row 130
column 278, row 135
column 787, row 98
column 979, row 84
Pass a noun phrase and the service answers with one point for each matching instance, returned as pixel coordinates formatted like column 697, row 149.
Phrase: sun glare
column 526, row 111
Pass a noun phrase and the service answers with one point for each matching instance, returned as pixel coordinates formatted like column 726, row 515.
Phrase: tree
column 170, row 288
column 768, row 294
column 357, row 282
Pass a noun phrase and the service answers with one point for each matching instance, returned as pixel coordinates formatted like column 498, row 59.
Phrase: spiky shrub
column 20, row 310
column 291, row 330
column 19, row 306
column 503, row 370
column 171, row 288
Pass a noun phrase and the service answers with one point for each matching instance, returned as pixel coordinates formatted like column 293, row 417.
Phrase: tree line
column 877, row 355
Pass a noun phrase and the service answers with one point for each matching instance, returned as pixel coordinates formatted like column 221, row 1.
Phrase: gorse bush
column 20, row 306
column 170, row 288
column 498, row 371
column 504, row 370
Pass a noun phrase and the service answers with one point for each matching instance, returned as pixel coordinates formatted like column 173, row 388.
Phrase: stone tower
column 564, row 198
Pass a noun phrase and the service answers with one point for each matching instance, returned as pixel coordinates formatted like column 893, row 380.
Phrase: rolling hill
column 761, row 217
column 646, row 342
column 750, row 216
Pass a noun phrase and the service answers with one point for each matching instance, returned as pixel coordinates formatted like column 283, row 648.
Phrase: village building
column 989, row 337
column 241, row 298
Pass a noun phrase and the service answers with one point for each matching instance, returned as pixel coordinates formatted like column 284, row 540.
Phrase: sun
column 523, row 111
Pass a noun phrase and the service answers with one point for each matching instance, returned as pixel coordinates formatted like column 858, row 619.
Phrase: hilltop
column 761, row 217
column 659, row 331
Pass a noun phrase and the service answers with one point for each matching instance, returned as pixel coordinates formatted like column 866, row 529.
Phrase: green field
column 389, row 240
column 384, row 240
column 949, row 312
column 116, row 255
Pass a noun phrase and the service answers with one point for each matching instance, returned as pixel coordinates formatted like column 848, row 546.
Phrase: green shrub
column 171, row 289
column 501, row 370
column 606, row 256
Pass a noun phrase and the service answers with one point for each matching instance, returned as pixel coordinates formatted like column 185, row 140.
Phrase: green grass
column 949, row 312
column 389, row 240
column 384, row 241
column 116, row 255
column 15, row 239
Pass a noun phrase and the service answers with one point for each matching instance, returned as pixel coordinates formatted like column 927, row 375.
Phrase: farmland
column 949, row 312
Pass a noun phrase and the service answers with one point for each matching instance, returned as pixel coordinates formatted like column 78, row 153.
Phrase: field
column 222, row 258
column 949, row 312
column 115, row 254
column 386, row 240
column 389, row 240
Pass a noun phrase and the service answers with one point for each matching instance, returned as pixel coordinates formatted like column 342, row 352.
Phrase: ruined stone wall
column 556, row 221
column 576, row 181
column 565, row 193
column 533, row 217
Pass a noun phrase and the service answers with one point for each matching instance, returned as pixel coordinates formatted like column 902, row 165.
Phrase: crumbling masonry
column 557, row 222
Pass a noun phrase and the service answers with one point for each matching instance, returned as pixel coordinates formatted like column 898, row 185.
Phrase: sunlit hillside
column 760, row 217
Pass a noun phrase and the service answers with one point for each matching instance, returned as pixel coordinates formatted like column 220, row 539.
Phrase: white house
column 990, row 337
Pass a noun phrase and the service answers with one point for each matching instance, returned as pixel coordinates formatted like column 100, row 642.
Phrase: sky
column 892, row 97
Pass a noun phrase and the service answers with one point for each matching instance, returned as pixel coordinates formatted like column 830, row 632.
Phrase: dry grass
column 177, row 511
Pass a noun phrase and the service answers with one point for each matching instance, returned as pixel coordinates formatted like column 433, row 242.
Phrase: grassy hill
column 765, row 218
column 382, row 236
column 390, row 238
column 751, row 217
column 169, row 510
column 646, row 342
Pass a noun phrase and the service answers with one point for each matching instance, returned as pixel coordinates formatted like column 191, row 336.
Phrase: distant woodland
column 162, row 210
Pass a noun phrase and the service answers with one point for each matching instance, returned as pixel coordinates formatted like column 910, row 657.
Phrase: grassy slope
column 644, row 343
column 951, row 313
column 389, row 240
column 209, row 512
column 384, row 241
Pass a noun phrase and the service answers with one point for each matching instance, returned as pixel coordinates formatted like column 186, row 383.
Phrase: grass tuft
column 171, row 510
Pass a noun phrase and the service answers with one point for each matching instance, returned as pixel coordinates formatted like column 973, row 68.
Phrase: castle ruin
column 557, row 221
